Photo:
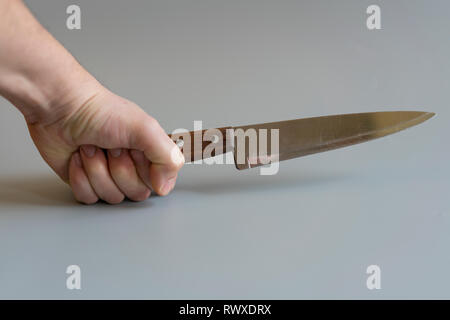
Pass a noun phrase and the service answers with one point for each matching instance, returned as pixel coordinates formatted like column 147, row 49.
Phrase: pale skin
column 102, row 145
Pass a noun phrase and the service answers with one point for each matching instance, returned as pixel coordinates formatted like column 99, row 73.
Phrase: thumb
column 165, row 157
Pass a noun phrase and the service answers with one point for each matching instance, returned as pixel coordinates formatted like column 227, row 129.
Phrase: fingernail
column 115, row 152
column 77, row 159
column 89, row 150
column 168, row 186
column 176, row 156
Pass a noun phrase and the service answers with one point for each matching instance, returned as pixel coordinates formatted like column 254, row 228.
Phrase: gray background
column 308, row 232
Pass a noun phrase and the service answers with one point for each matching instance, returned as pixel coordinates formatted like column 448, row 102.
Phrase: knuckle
column 152, row 122
column 120, row 171
column 139, row 195
column 75, row 180
column 149, row 125
column 86, row 199
column 114, row 199
column 112, row 196
column 94, row 166
column 90, row 200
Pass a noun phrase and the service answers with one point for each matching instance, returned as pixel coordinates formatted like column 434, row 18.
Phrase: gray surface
column 308, row 232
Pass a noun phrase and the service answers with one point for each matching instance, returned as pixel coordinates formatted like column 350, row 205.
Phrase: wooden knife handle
column 193, row 144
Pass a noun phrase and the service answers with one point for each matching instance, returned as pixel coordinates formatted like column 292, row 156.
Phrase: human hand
column 106, row 147
column 124, row 151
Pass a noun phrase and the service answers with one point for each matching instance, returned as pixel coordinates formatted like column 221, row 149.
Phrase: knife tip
column 429, row 115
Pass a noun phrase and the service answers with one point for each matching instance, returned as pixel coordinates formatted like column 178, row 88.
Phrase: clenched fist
column 108, row 148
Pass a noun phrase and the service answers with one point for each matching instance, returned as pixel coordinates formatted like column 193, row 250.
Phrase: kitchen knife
column 293, row 138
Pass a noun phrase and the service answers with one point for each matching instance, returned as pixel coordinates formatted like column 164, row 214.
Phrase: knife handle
column 194, row 144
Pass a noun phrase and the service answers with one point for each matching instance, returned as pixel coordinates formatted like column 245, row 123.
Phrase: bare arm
column 72, row 117
column 36, row 71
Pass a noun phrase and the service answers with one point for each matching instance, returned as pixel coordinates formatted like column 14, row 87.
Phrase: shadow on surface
column 48, row 190
column 230, row 184
column 41, row 190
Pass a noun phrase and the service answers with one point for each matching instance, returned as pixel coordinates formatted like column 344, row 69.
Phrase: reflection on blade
column 311, row 135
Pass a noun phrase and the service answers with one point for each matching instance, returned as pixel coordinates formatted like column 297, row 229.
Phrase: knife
column 260, row 144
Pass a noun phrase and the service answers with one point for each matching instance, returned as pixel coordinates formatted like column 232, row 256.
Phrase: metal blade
column 311, row 135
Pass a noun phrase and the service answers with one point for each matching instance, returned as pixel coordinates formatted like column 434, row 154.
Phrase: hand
column 103, row 145
column 106, row 147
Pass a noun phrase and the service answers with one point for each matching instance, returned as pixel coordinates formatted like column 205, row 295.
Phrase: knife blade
column 259, row 144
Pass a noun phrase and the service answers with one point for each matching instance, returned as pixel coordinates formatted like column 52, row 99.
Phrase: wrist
column 43, row 98
column 37, row 74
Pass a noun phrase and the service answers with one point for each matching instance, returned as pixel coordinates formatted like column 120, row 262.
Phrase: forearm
column 37, row 74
